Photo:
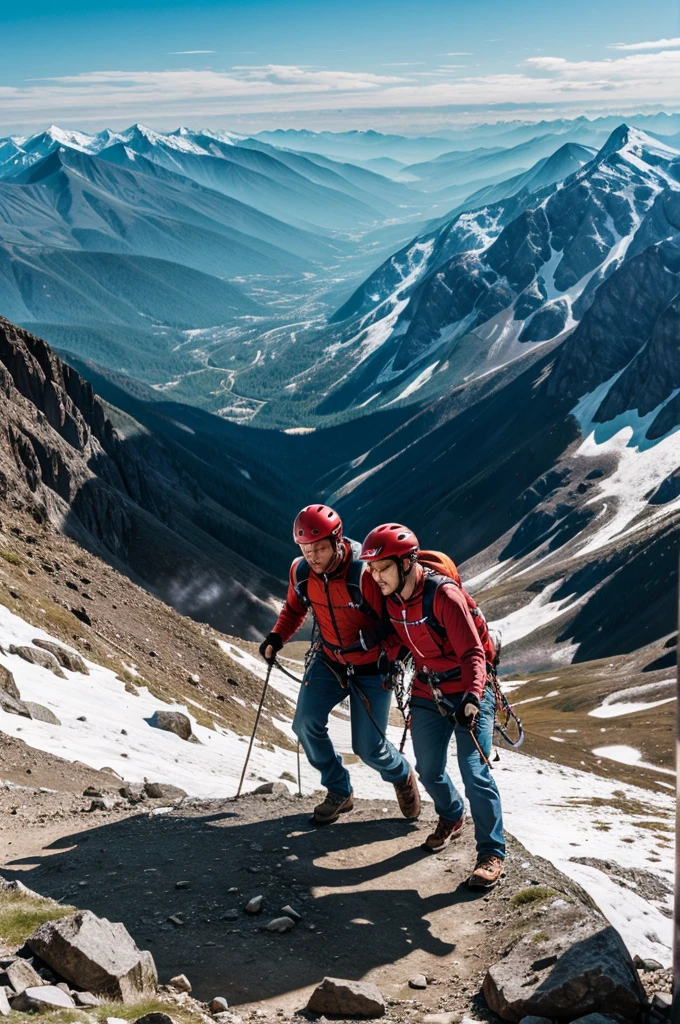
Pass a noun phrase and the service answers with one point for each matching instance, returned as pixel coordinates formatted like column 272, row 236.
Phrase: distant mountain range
column 504, row 375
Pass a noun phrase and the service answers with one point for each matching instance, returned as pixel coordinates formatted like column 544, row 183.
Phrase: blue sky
column 332, row 63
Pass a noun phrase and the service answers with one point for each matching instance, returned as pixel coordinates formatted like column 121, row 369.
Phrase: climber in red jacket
column 432, row 618
column 346, row 603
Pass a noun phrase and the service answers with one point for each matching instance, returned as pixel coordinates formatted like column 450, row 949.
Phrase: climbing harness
column 503, row 706
column 403, row 669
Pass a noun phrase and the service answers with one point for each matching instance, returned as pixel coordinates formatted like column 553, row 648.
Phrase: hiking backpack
column 440, row 569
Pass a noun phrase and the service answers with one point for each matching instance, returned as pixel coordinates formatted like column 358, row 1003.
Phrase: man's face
column 386, row 575
column 318, row 555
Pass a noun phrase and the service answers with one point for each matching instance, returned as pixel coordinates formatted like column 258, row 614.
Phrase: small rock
column 92, row 791
column 194, row 678
column 219, row 1005
column 81, row 718
column 439, row 1018
column 254, row 906
column 42, row 999
column 418, row 981
column 289, row 912
column 662, row 1001
column 104, row 803
column 340, row 997
column 183, row 885
column 177, row 920
column 280, row 924
column 86, row 999
column 535, row 1020
column 116, row 1020
column 163, row 791
column 646, row 964
column 21, row 975
column 4, row 1003
column 181, row 983
column 272, row 789
column 171, row 721
column 291, row 858
column 155, row 1018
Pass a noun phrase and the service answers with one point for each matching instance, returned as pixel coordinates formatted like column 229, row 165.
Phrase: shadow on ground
column 364, row 889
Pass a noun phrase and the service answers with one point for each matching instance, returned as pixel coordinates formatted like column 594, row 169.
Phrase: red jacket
column 461, row 647
column 335, row 609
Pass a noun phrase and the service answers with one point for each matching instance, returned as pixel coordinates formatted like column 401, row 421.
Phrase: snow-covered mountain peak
column 629, row 141
column 229, row 138
column 73, row 139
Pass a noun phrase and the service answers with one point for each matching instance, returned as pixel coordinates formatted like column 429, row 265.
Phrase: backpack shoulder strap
column 433, row 581
column 299, row 576
column 353, row 580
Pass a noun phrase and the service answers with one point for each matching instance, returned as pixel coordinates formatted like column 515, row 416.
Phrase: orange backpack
column 440, row 569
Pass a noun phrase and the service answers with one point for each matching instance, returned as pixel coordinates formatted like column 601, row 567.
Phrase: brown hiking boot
column 408, row 795
column 334, row 805
column 486, row 874
column 444, row 833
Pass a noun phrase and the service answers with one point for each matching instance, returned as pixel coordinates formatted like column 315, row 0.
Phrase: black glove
column 368, row 638
column 274, row 641
column 467, row 711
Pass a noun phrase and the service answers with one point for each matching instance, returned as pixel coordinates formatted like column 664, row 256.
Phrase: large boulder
column 7, row 683
column 172, row 721
column 581, row 967
column 36, row 657
column 67, row 659
column 338, row 997
column 96, row 955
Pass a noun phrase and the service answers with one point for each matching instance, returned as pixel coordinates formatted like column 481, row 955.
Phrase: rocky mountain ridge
column 148, row 506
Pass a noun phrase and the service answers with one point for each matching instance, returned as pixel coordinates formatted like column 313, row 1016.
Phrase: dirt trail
column 373, row 903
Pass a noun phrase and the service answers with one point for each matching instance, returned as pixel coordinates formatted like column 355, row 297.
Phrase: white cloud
column 658, row 44
column 456, row 53
column 175, row 53
column 628, row 80
column 403, row 64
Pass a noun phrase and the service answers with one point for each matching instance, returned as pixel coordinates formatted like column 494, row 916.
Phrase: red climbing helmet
column 389, row 541
column 317, row 522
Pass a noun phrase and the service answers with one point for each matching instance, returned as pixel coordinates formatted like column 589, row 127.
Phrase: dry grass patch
column 535, row 894
column 10, row 557
column 21, row 914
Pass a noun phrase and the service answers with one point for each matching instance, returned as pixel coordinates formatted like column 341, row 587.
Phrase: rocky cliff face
column 127, row 495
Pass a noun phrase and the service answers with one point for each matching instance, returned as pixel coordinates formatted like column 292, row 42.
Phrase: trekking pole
column 257, row 722
column 483, row 756
column 297, row 680
column 299, row 773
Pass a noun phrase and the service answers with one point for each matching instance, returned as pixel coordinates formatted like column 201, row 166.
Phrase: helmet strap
column 404, row 573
